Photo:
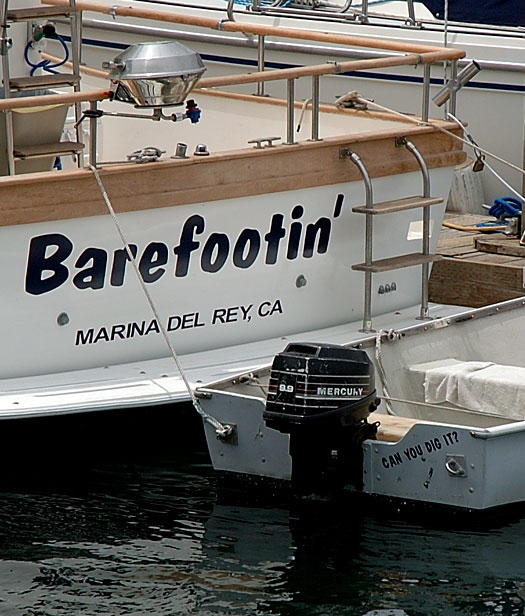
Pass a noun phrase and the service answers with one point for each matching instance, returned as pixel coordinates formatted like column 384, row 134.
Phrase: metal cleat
column 145, row 155
column 260, row 140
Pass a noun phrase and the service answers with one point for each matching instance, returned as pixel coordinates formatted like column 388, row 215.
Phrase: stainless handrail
column 290, row 108
column 424, row 314
column 369, row 236
column 261, row 48
column 76, row 52
column 499, row 431
column 5, row 45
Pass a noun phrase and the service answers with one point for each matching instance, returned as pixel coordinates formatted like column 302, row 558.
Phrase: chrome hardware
column 228, row 434
column 455, row 84
column 456, row 465
column 155, row 74
column 201, row 150
column 300, row 281
column 145, row 155
column 180, row 151
column 267, row 140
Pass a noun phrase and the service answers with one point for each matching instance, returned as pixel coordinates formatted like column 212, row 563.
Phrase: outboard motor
column 322, row 394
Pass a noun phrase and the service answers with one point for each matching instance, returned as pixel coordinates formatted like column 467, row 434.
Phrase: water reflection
column 154, row 536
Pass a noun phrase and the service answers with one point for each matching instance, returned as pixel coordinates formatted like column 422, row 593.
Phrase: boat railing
column 69, row 98
column 399, row 54
column 499, row 431
column 308, row 7
column 256, row 29
column 346, row 12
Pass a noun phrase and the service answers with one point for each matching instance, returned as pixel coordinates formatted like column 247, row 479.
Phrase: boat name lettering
column 52, row 259
column 176, row 322
column 340, row 391
column 416, row 452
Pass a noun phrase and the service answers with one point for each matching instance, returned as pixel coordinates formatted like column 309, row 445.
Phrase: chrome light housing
column 156, row 74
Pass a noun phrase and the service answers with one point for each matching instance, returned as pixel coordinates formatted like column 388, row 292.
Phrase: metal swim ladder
column 36, row 82
column 371, row 209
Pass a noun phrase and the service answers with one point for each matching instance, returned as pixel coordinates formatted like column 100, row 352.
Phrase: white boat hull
column 106, row 318
column 115, row 270
column 234, row 247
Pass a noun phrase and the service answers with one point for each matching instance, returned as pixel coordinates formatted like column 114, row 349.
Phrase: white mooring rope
column 434, row 124
column 390, row 335
column 222, row 430
column 478, row 154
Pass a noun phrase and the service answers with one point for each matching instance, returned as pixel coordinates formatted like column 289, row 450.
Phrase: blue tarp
column 496, row 12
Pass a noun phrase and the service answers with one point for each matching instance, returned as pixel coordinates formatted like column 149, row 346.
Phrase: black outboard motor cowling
column 319, row 383
column 322, row 394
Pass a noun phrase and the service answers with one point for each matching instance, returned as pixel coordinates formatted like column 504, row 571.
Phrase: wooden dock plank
column 458, row 251
column 476, row 269
column 500, row 245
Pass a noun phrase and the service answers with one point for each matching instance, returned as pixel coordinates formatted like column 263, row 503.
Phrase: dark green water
column 106, row 522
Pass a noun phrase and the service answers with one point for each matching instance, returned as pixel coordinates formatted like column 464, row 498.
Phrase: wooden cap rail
column 288, row 73
column 426, row 54
column 53, row 99
column 331, row 68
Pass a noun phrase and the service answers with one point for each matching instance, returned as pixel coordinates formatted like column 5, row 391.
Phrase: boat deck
column 476, row 269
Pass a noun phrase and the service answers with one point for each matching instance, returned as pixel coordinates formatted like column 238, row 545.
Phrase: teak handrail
column 427, row 54
column 329, row 68
column 52, row 99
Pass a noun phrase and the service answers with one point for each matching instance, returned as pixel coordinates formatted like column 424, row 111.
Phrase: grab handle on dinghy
column 499, row 431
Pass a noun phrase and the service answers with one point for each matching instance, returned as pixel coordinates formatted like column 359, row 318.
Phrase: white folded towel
column 479, row 386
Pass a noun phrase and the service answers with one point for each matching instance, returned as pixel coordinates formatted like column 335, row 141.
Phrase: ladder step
column 397, row 205
column 43, row 81
column 39, row 12
column 45, row 149
column 393, row 263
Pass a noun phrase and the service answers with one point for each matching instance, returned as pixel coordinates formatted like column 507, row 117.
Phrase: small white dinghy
column 449, row 429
